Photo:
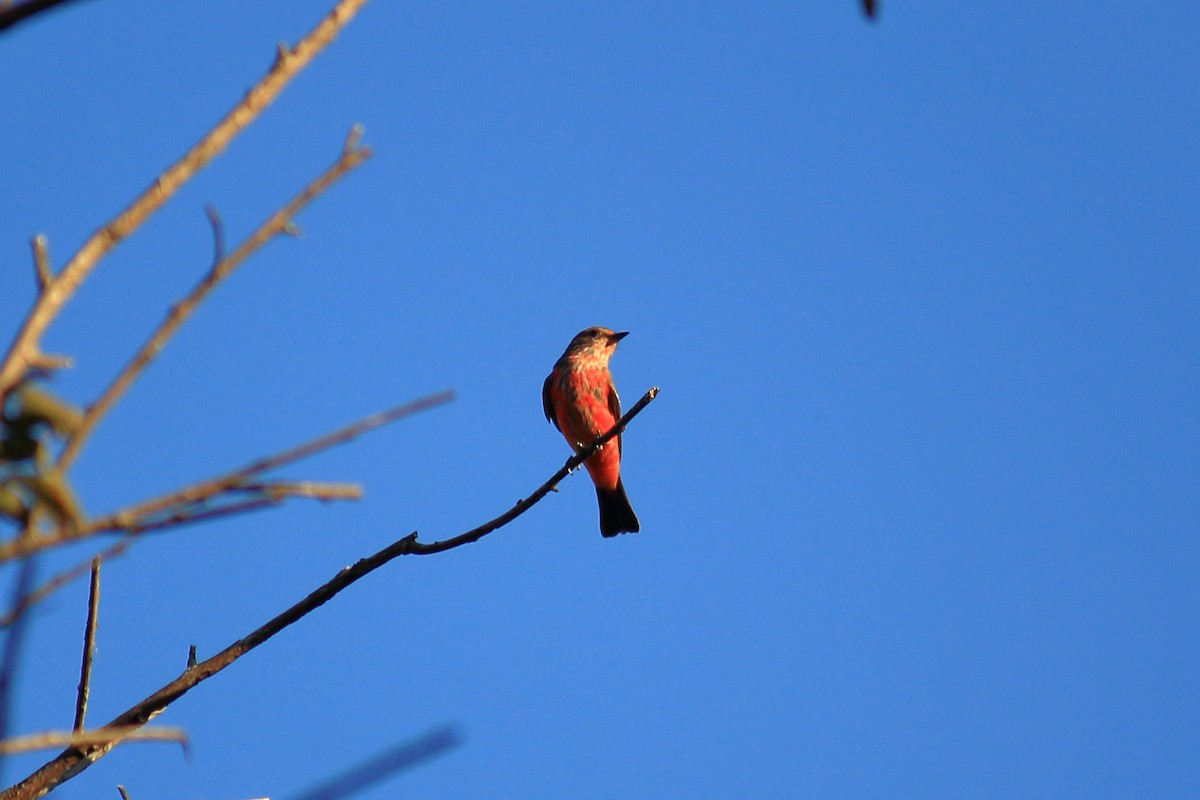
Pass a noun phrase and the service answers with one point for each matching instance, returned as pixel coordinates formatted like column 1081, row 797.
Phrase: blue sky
column 919, row 498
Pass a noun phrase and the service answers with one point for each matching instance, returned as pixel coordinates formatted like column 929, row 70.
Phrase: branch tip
column 218, row 231
column 99, row 739
column 41, row 262
column 49, row 361
column 353, row 140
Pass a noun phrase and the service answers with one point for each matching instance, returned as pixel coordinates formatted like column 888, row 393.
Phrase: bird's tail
column 616, row 515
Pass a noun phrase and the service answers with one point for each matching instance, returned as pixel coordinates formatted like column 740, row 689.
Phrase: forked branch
column 278, row 223
column 24, row 350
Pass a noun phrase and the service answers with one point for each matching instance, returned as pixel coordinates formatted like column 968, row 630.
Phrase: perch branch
column 287, row 64
column 475, row 534
column 75, row 759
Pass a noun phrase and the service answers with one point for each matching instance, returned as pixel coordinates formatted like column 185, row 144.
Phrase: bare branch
column 264, row 495
column 62, row 579
column 185, row 505
column 108, row 737
column 324, row 492
column 89, row 647
column 180, row 312
column 124, row 794
column 76, row 270
column 14, row 13
column 49, row 361
column 387, row 763
column 346, row 434
column 70, row 762
column 314, row 490
column 127, row 518
column 190, row 514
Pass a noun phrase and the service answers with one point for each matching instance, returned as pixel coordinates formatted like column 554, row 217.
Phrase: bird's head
column 596, row 342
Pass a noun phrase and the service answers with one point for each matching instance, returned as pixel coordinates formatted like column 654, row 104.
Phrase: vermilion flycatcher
column 581, row 401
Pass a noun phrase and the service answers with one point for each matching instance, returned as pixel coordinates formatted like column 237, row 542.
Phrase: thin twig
column 41, row 262
column 89, row 647
column 218, row 229
column 124, row 794
column 386, row 764
column 288, row 62
column 231, row 480
column 341, row 436
column 49, row 361
column 52, row 585
column 192, row 514
column 72, row 761
column 205, row 490
column 109, row 736
column 178, row 503
column 265, row 495
column 180, row 312
column 63, row 578
column 315, row 490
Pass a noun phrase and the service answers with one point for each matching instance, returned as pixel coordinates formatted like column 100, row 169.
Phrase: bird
column 579, row 398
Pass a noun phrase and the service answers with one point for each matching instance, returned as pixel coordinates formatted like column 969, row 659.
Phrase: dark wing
column 614, row 405
column 548, row 406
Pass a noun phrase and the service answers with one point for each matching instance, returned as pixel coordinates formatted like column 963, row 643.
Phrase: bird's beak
column 616, row 337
